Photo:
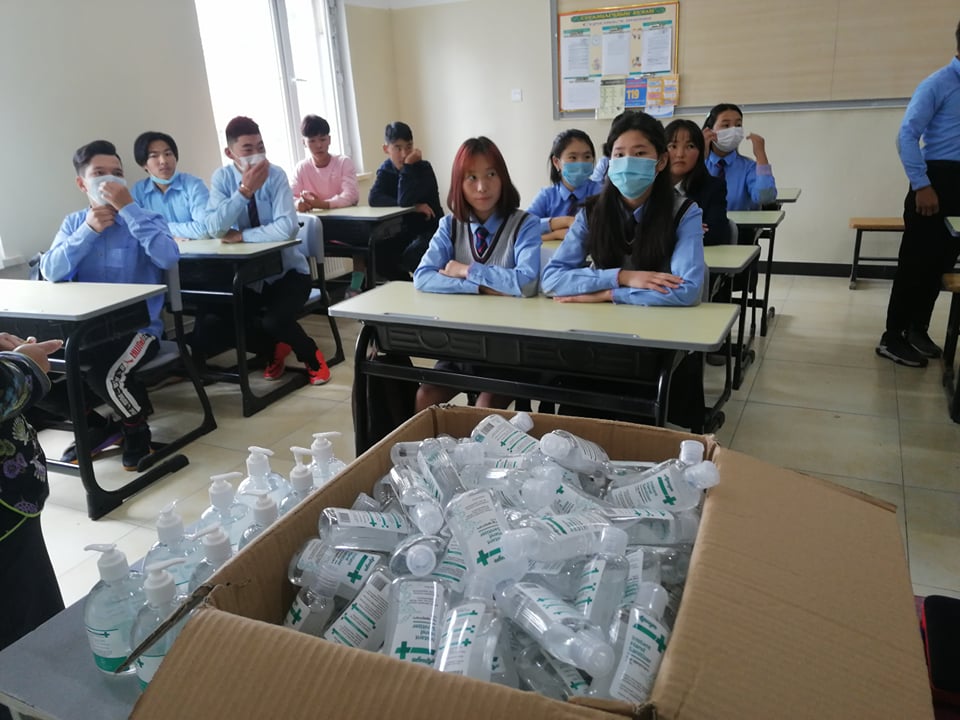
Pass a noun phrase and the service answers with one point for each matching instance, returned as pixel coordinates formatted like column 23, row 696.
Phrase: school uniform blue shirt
column 934, row 115
column 568, row 273
column 228, row 209
column 137, row 248
column 600, row 171
column 517, row 281
column 749, row 185
column 183, row 205
column 554, row 201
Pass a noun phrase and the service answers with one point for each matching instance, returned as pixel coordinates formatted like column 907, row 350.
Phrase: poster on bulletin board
column 608, row 55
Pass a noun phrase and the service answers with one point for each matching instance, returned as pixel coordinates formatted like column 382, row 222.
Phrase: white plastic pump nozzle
column 322, row 448
column 222, row 492
column 258, row 462
column 265, row 509
column 160, row 587
column 112, row 563
column 170, row 525
column 691, row 452
column 216, row 543
column 522, row 421
column 301, row 477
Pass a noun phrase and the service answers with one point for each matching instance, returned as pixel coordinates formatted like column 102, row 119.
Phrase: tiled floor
column 817, row 400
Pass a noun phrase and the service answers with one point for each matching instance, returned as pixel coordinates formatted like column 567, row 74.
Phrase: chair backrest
column 310, row 236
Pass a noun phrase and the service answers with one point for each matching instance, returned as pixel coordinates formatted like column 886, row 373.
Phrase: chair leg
column 856, row 260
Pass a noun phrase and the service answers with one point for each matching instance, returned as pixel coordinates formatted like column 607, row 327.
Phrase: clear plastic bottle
column 224, row 510
column 360, row 530
column 111, row 607
column 216, row 551
column 420, row 498
column 469, row 632
column 506, row 483
column 324, row 465
column 416, row 608
column 261, row 477
column 404, row 454
column 675, row 530
column 417, row 555
column 603, row 579
column 310, row 613
column 559, row 629
column 575, row 453
column 549, row 491
column 160, row 592
column 172, row 542
column 265, row 513
column 477, row 522
column 339, row 573
column 505, row 437
column 673, row 485
column 451, row 569
column 640, row 649
column 549, row 676
column 361, row 625
column 439, row 470
column 551, row 538
column 365, row 502
column 301, row 482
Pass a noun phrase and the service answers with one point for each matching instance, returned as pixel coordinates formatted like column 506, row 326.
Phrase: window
column 274, row 61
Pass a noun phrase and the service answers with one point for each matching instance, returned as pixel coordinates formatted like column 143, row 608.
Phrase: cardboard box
column 798, row 604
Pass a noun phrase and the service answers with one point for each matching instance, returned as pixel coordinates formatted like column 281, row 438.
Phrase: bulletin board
column 616, row 57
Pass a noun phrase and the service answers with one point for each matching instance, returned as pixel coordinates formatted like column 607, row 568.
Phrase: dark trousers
column 927, row 251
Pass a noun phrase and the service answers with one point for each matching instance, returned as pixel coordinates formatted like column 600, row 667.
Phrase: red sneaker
column 276, row 368
column 320, row 376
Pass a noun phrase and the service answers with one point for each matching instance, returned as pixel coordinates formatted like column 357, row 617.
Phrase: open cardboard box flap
column 798, row 604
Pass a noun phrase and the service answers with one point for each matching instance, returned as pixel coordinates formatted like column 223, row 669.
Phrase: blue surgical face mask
column 162, row 181
column 576, row 173
column 632, row 175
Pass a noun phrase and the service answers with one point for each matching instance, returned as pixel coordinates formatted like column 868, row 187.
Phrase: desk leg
column 856, row 260
column 668, row 363
column 240, row 329
column 949, row 357
column 360, row 389
column 767, row 310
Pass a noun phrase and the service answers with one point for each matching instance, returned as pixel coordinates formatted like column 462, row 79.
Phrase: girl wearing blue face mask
column 571, row 163
column 636, row 242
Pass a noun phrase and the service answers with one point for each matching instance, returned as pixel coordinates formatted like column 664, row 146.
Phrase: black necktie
column 253, row 213
column 481, row 240
column 722, row 169
column 572, row 209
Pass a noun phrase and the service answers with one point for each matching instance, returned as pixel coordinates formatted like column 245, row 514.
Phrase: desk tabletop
column 787, row 194
column 953, row 225
column 210, row 248
column 729, row 258
column 756, row 218
column 700, row 328
column 72, row 301
column 362, row 212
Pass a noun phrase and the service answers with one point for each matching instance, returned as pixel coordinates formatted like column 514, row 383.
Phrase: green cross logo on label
column 140, row 662
column 668, row 499
column 483, row 558
column 660, row 640
column 355, row 574
column 295, row 615
column 405, row 650
column 559, row 490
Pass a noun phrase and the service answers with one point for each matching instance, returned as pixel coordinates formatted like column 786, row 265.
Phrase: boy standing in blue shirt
column 114, row 240
column 405, row 179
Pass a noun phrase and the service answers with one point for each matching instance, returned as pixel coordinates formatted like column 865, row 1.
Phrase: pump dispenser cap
column 691, row 452
column 221, row 491
column 258, row 462
column 160, row 587
column 703, row 475
column 421, row 560
column 613, row 541
column 652, row 598
column 522, row 421
column 170, row 525
column 265, row 508
column 216, row 543
column 322, row 448
column 301, row 478
column 555, row 446
column 112, row 563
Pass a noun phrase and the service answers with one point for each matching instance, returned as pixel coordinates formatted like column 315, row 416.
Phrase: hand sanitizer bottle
column 361, row 624
column 603, row 579
column 552, row 538
column 404, row 454
column 160, row 591
column 417, row 555
column 420, row 498
column 416, row 607
column 110, row 608
column 301, row 482
column 477, row 521
column 324, row 465
column 640, row 649
column 365, row 502
column 451, row 569
column 575, row 453
column 500, row 436
column 265, row 513
column 310, row 613
column 261, row 477
column 173, row 543
column 549, row 676
column 438, row 468
column 506, row 483
column 216, row 551
column 674, row 485
column 677, row 530
column 338, row 573
column 224, row 510
column 469, row 632
column 549, row 490
column 561, row 631
column 359, row 530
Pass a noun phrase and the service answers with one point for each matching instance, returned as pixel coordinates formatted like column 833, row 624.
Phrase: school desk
column 787, row 195
column 760, row 224
column 953, row 225
column 211, row 269
column 83, row 314
column 734, row 260
column 624, row 343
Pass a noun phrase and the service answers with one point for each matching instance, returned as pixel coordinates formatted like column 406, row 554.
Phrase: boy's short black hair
column 141, row 146
column 397, row 131
column 240, row 126
column 314, row 125
column 85, row 153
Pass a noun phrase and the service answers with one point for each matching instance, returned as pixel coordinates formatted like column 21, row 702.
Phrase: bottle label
column 657, row 491
column 360, row 625
column 545, row 599
column 420, row 606
column 452, row 568
column 479, row 522
column 573, row 682
column 110, row 646
column 461, row 637
column 542, row 567
column 502, row 438
column 567, row 500
column 575, row 524
column 634, row 577
column 589, row 584
column 351, row 569
column 643, row 647
column 394, row 522
column 146, row 668
column 305, row 619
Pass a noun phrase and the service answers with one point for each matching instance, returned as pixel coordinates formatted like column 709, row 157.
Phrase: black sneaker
column 136, row 445
column 100, row 438
column 895, row 347
column 923, row 344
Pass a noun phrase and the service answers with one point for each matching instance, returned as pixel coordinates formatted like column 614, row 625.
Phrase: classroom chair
column 312, row 247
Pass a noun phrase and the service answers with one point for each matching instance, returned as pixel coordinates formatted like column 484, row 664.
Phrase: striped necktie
column 722, row 169
column 480, row 240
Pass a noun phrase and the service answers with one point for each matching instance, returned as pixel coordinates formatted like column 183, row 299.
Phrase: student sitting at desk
column 116, row 241
column 486, row 246
column 323, row 180
column 571, row 164
column 750, row 184
column 181, row 198
column 405, row 179
column 690, row 178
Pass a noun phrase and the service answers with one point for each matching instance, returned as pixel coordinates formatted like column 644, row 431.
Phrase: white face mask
column 245, row 162
column 94, row 184
column 729, row 139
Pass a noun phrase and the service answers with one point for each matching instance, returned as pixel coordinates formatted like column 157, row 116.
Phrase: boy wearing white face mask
column 114, row 240
column 750, row 183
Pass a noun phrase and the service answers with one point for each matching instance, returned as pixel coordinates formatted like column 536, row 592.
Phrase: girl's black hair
column 613, row 234
column 715, row 112
column 560, row 143
column 694, row 179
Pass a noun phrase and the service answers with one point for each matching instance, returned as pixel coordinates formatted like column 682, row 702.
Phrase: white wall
column 78, row 71
column 456, row 63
